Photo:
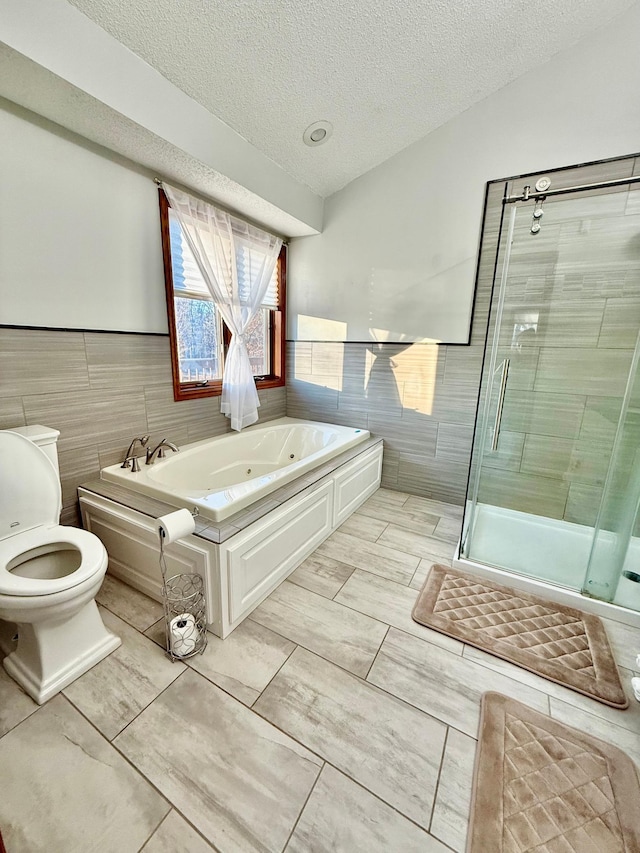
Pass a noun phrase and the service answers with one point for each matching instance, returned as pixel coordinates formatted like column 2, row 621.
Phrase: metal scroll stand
column 184, row 611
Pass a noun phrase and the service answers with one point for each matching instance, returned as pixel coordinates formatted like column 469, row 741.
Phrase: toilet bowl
column 49, row 574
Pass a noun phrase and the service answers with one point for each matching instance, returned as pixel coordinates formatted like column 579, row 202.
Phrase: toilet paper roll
column 175, row 525
column 183, row 635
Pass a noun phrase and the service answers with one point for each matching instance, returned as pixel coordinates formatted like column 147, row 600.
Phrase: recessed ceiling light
column 317, row 133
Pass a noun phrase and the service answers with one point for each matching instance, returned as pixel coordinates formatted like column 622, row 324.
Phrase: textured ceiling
column 384, row 72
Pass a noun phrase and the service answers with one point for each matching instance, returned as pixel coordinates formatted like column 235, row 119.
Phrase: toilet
column 49, row 574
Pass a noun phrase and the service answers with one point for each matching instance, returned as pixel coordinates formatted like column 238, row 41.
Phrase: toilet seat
column 90, row 548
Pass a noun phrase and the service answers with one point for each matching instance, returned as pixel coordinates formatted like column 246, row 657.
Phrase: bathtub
column 222, row 475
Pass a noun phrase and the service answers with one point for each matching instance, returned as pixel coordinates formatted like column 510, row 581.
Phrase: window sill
column 214, row 389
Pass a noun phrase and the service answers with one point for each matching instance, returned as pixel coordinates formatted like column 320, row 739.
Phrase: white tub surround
column 244, row 558
column 222, row 475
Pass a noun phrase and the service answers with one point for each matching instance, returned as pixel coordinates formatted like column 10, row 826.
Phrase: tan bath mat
column 543, row 787
column 554, row 641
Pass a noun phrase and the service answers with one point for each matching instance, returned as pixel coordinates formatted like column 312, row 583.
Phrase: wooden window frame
column 277, row 325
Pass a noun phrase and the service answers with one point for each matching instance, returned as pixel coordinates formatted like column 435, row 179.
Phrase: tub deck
column 218, row 532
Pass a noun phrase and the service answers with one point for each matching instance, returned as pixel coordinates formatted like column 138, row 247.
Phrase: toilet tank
column 45, row 437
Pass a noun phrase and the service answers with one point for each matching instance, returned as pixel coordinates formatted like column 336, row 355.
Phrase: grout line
column 304, row 805
column 29, row 715
column 277, row 672
column 86, row 362
column 153, row 832
column 342, row 585
column 437, row 786
column 375, row 658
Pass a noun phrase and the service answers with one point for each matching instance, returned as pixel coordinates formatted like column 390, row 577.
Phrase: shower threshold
column 547, row 557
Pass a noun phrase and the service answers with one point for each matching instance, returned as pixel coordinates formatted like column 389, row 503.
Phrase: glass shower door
column 565, row 316
column 613, row 571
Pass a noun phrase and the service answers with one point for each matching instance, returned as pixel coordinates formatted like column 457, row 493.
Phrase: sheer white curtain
column 236, row 260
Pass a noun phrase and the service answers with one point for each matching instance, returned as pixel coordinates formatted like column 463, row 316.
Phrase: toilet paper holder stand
column 184, row 607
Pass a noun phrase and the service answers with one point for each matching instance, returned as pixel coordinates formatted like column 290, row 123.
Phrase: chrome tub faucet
column 160, row 451
column 131, row 461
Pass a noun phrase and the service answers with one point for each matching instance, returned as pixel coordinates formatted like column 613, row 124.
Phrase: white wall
column 79, row 234
column 410, row 227
column 60, row 64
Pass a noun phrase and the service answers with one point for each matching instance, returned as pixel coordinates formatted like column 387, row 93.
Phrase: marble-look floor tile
column 245, row 662
column 433, row 507
column 410, row 519
column 363, row 526
column 114, row 691
column 392, row 603
column 371, row 556
column 158, row 633
column 624, row 739
column 453, row 801
column 321, row 574
column 241, row 782
column 448, row 529
column 421, row 545
column 443, row 684
column 64, row 788
column 624, row 641
column 128, row 603
column 174, row 835
column 629, row 718
column 384, row 744
column 442, row 555
column 389, row 497
column 15, row 705
column 342, row 817
column 332, row 631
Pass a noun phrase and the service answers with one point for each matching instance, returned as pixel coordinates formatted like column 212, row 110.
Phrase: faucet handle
column 129, row 457
column 131, row 462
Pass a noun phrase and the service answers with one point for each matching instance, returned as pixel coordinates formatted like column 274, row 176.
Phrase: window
column 199, row 338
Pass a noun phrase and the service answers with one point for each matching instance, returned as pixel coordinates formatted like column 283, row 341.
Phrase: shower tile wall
column 100, row 390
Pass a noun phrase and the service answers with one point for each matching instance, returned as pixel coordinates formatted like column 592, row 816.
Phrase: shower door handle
column 503, row 388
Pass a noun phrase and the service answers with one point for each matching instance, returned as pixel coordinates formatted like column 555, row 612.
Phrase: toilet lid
column 30, row 493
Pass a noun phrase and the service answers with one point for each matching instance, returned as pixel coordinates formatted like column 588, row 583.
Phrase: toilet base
column 50, row 655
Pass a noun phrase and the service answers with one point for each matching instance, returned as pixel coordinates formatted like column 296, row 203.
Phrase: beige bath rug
column 543, row 787
column 554, row 641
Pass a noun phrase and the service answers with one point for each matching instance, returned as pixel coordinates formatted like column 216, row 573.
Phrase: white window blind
column 188, row 281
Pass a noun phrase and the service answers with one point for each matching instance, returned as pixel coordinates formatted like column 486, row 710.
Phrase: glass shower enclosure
column 554, row 488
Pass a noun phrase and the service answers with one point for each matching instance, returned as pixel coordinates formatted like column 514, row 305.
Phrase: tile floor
column 328, row 721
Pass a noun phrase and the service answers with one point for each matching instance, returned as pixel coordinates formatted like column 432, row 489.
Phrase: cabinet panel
column 355, row 483
column 133, row 548
column 261, row 558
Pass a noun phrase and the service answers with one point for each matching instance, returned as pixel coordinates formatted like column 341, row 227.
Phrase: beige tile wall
column 100, row 390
